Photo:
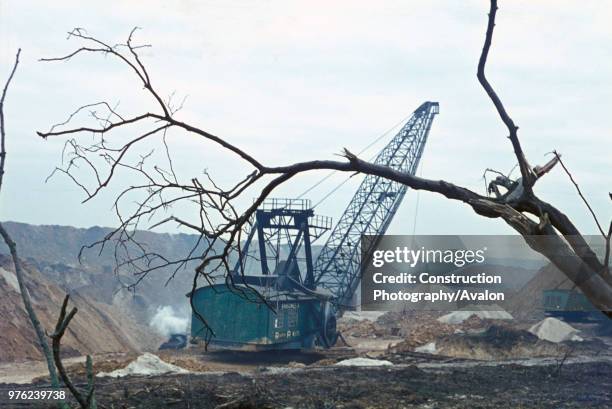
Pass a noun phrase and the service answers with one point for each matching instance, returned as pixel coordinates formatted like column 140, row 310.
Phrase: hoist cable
column 403, row 120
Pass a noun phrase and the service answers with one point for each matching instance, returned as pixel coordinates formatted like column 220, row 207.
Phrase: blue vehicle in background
column 571, row 305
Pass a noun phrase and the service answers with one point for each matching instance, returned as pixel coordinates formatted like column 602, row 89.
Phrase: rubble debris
column 421, row 331
column 497, row 343
column 457, row 317
column 423, row 334
column 364, row 362
column 388, row 325
column 146, row 364
column 369, row 324
column 555, row 330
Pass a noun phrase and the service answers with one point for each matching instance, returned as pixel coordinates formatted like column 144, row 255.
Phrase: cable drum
column 329, row 331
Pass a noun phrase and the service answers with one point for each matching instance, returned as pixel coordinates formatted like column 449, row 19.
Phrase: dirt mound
column 497, row 342
column 146, row 364
column 419, row 329
column 554, row 330
column 410, row 329
column 96, row 328
column 393, row 324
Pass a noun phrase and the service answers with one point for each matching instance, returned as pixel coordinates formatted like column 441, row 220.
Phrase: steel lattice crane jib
column 370, row 211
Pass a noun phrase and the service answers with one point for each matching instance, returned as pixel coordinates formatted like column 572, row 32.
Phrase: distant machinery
column 307, row 295
column 571, row 305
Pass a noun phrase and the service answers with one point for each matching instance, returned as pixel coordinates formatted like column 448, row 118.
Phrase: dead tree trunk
column 85, row 402
column 25, row 294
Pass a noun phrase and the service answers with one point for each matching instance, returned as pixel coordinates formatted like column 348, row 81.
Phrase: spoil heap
column 146, row 364
column 497, row 343
column 554, row 330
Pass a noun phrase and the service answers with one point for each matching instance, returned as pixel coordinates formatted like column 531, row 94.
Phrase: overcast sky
column 291, row 81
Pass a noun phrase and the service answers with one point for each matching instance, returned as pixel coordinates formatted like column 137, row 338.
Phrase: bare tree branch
column 607, row 236
column 607, row 255
column 63, row 321
column 528, row 179
column 220, row 223
column 580, row 194
column 2, row 126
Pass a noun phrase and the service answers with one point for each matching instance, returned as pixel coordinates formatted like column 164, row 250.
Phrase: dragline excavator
column 282, row 297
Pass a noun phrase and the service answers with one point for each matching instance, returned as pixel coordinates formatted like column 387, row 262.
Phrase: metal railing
column 285, row 203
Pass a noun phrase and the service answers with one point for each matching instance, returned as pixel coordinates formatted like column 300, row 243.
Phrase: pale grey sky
column 293, row 81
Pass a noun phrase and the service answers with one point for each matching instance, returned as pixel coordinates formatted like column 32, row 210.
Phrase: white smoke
column 167, row 321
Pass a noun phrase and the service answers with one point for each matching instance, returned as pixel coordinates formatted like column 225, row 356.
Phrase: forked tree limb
column 526, row 173
column 63, row 321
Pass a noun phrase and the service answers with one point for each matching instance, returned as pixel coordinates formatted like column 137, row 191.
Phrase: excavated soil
column 498, row 343
column 405, row 331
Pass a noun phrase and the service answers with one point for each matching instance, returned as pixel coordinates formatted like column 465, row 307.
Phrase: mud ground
column 570, row 375
column 572, row 385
